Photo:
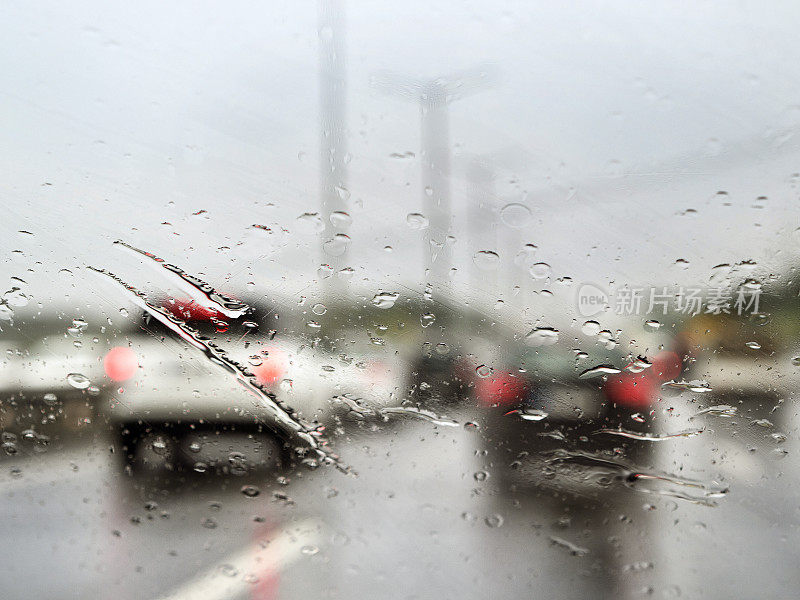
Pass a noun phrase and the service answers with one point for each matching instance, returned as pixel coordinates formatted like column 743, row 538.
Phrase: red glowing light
column 120, row 363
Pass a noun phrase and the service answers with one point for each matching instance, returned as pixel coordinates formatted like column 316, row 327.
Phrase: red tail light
column 667, row 365
column 379, row 372
column 273, row 369
column 639, row 390
column 501, row 389
column 631, row 390
column 120, row 363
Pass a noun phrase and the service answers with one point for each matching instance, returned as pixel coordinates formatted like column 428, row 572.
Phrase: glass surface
column 399, row 300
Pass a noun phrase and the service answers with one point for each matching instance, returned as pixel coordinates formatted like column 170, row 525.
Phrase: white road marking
column 228, row 577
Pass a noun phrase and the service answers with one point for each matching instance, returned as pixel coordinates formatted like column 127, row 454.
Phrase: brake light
column 379, row 372
column 502, row 389
column 274, row 367
column 120, row 363
column 667, row 365
column 631, row 390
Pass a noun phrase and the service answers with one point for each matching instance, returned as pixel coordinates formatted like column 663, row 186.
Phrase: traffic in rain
column 376, row 300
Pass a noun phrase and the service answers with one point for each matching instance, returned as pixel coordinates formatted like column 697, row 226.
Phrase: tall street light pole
column 334, row 194
column 434, row 97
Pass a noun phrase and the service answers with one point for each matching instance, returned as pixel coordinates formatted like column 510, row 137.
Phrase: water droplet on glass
column 159, row 446
column 532, row 414
column 487, row 260
column 542, row 336
column 337, row 245
column 417, row 221
column 341, row 219
column 237, row 462
column 590, row 328
column 515, row 215
column 481, row 476
column 385, row 300
column 427, row 319
column 310, row 222
column 525, row 257
column 6, row 313
column 652, row 325
column 719, row 274
column 599, row 371
column 540, row 270
column 78, row 381
column 250, row 491
column 319, row 309
column 342, row 192
column 494, row 520
column 699, row 387
column 753, row 345
column 483, row 371
column 15, row 298
column 50, row 398
column 573, row 549
column 607, row 339
column 78, row 327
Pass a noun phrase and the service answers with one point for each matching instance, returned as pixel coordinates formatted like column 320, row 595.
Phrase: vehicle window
column 399, row 300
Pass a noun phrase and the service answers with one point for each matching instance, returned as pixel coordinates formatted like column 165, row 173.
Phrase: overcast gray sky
column 608, row 121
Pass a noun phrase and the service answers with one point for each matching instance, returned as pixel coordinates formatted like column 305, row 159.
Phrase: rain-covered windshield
column 399, row 300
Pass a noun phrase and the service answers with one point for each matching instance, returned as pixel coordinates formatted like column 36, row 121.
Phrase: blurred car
column 180, row 397
column 166, row 399
column 552, row 398
column 439, row 375
column 43, row 385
